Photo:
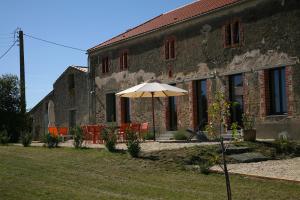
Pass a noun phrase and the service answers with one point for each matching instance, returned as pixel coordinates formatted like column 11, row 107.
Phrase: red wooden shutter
column 172, row 48
column 167, row 49
column 121, row 62
column 241, row 34
column 103, row 65
column 125, row 60
column 106, row 65
column 227, row 35
column 267, row 91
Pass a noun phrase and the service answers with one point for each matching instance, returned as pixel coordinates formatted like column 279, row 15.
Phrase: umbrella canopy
column 152, row 89
column 51, row 114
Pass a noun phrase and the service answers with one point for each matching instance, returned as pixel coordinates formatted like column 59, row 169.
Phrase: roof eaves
column 40, row 102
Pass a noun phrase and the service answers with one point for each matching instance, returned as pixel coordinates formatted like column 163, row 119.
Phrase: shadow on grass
column 120, row 151
column 149, row 157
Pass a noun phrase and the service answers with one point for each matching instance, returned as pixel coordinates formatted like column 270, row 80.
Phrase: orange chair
column 53, row 131
column 63, row 132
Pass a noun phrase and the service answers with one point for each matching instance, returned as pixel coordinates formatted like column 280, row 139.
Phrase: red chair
column 122, row 132
column 135, row 127
column 97, row 134
column 100, row 140
column 53, row 131
column 144, row 129
column 87, row 134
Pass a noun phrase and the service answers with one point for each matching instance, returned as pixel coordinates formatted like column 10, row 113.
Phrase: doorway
column 172, row 111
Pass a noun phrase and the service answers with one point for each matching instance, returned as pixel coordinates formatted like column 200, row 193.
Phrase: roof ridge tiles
column 179, row 14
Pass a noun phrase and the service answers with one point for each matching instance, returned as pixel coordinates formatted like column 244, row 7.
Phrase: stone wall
column 39, row 116
column 270, row 33
column 64, row 101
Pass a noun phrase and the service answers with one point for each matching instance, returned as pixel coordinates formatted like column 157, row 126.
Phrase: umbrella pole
column 152, row 93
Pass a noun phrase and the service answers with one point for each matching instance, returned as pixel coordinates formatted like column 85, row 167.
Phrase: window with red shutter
column 105, row 67
column 170, row 49
column 232, row 34
column 236, row 33
column 124, row 60
column 227, row 35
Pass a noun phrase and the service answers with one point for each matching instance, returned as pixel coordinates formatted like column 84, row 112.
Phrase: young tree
column 219, row 112
column 10, row 117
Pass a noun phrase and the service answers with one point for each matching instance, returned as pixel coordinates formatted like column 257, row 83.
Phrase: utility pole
column 22, row 73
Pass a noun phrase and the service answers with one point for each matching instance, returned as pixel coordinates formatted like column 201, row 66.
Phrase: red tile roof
column 182, row 13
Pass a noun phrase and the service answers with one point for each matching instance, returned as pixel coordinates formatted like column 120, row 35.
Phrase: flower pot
column 249, row 135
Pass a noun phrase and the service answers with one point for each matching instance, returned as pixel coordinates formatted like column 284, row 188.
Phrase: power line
column 8, row 49
column 62, row 45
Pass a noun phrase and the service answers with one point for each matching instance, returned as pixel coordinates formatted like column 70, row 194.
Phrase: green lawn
column 66, row 173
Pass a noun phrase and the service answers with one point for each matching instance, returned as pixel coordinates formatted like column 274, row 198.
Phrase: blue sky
column 79, row 23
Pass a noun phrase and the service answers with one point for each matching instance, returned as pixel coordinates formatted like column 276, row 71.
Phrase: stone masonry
column 269, row 34
column 66, row 99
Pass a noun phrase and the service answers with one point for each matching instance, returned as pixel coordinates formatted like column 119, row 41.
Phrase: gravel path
column 145, row 146
column 288, row 169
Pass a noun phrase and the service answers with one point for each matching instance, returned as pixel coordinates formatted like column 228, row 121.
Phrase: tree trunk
column 226, row 171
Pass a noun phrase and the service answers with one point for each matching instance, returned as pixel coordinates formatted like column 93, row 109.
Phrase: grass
column 67, row 173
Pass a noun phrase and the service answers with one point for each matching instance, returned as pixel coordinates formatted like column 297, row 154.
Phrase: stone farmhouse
column 247, row 48
column 250, row 48
column 70, row 98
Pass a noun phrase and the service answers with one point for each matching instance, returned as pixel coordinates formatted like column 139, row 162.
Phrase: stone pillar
column 289, row 90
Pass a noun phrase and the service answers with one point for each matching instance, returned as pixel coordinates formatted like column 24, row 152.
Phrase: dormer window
column 169, row 48
column 124, row 61
column 232, row 34
column 105, row 67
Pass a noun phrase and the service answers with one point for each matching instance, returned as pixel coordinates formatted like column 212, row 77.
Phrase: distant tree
column 10, row 117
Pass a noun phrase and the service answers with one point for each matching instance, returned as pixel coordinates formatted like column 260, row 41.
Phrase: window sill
column 170, row 59
column 278, row 116
column 233, row 46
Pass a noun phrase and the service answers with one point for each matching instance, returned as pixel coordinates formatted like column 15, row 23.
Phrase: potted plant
column 248, row 127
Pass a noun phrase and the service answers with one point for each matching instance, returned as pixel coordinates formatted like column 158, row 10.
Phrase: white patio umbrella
column 51, row 114
column 152, row 89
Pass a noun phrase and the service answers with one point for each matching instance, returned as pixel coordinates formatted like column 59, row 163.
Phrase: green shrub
column 284, row 146
column 4, row 138
column 148, row 136
column 78, row 137
column 204, row 168
column 132, row 143
column 26, row 138
column 110, row 138
column 180, row 135
column 51, row 141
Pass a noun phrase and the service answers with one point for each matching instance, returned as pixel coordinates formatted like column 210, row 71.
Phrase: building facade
column 247, row 48
column 70, row 98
